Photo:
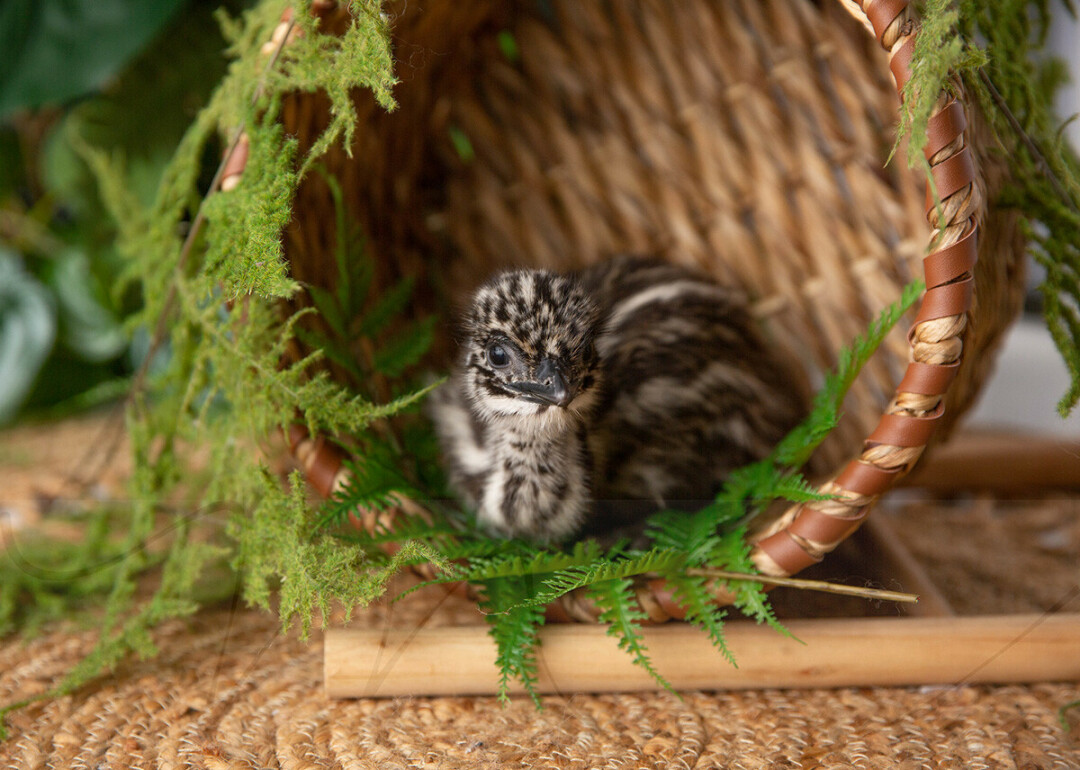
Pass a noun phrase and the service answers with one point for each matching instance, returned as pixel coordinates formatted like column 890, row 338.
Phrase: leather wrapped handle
column 807, row 532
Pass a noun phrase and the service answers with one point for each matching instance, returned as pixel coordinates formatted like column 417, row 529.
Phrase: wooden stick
column 1002, row 462
column 832, row 653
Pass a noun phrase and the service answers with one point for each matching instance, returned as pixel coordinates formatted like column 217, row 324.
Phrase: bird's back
column 690, row 388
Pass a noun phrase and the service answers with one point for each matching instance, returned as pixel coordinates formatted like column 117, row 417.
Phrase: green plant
column 214, row 376
column 63, row 341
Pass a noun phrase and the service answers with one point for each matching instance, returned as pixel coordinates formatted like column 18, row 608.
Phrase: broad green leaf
column 27, row 331
column 56, row 50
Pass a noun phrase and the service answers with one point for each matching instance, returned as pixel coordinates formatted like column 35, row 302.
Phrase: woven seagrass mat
column 230, row 691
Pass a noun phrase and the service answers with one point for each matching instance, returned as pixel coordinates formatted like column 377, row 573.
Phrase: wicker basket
column 746, row 138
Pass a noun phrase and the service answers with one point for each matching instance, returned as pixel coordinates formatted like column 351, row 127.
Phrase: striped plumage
column 584, row 402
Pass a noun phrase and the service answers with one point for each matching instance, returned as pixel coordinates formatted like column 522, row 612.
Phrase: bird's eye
column 498, row 356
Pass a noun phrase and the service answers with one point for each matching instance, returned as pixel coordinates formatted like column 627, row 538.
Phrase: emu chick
column 584, row 402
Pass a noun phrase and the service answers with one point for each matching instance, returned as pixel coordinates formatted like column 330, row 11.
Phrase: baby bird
column 583, row 402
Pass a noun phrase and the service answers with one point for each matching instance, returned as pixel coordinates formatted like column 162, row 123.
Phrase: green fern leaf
column 795, row 448
column 389, row 305
column 373, row 482
column 623, row 616
column 515, row 629
column 576, row 577
column 692, row 593
column 406, row 348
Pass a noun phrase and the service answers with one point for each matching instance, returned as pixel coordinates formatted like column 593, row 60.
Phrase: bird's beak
column 549, row 387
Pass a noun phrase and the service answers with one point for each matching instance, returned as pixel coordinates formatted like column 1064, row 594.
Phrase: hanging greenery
column 1014, row 84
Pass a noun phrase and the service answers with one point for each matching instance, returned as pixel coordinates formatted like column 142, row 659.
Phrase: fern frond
column 619, row 610
column 531, row 561
column 406, row 348
column 795, row 448
column 389, row 305
column 695, row 535
column 373, row 481
column 694, row 596
column 573, row 578
column 750, row 597
column 515, row 629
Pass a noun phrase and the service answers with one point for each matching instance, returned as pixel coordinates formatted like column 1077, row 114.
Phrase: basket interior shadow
column 747, row 139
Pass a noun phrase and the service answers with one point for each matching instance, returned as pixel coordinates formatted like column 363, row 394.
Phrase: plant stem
column 808, row 585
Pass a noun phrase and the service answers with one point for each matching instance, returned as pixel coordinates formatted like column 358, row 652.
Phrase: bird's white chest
column 537, row 478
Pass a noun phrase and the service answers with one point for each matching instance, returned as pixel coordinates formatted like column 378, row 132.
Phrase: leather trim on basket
column 900, row 64
column 948, row 300
column 943, row 128
column 950, row 177
column 866, row 479
column 948, row 272
column 666, row 599
column 928, row 379
column 783, row 549
column 818, row 527
column 906, row 430
column 320, row 459
column 882, row 13
column 952, row 262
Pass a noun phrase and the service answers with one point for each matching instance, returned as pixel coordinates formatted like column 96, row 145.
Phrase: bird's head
column 528, row 346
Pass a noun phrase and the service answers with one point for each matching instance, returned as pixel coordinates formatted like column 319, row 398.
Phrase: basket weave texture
column 745, row 138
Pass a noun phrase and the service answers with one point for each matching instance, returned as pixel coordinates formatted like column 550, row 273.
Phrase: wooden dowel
column 1001, row 462
column 581, row 658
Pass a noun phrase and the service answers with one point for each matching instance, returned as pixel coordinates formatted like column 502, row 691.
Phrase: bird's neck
column 553, row 425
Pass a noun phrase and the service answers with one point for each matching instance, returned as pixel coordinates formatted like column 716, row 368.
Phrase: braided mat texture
column 229, row 692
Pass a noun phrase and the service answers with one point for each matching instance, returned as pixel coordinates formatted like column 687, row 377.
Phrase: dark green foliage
column 365, row 335
column 56, row 51
column 55, row 226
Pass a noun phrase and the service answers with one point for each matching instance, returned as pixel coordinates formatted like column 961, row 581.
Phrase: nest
column 746, row 139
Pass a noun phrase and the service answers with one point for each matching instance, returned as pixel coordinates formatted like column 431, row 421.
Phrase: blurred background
column 128, row 76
